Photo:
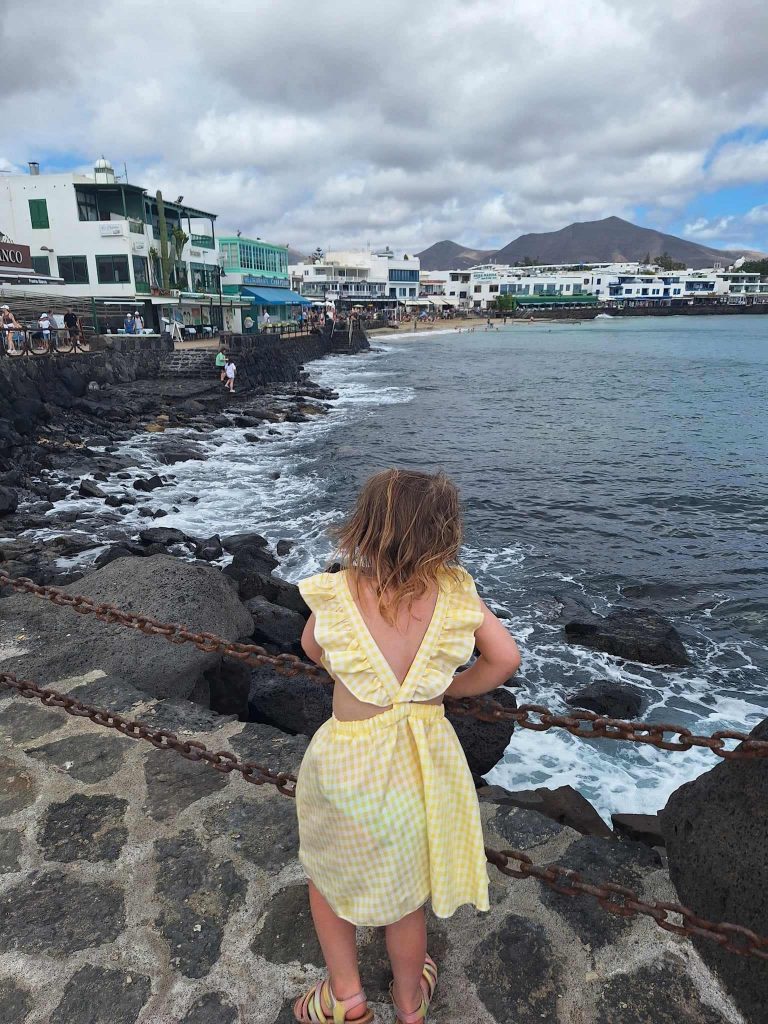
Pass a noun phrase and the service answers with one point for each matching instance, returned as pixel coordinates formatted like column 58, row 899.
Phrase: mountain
column 450, row 256
column 596, row 241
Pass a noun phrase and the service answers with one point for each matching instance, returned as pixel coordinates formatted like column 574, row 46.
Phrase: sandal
column 315, row 1006
column 428, row 984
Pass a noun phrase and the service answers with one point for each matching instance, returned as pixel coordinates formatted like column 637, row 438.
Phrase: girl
column 388, row 816
column 229, row 375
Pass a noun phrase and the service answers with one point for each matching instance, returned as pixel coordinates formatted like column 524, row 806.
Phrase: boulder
column 235, row 541
column 147, row 483
column 605, row 698
column 277, row 626
column 564, row 805
column 716, row 832
column 118, row 500
column 164, row 535
column 637, row 634
column 172, row 452
column 641, row 828
column 484, row 743
column 284, row 547
column 9, row 501
column 89, row 489
column 250, row 560
column 209, row 550
column 63, row 644
column 113, row 552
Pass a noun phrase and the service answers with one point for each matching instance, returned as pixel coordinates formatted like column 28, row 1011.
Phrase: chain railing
column 586, row 725
column 613, row 898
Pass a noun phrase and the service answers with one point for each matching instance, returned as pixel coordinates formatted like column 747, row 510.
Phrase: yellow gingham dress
column 388, row 815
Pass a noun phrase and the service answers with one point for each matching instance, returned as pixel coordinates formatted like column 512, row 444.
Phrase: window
column 73, row 269
column 87, row 207
column 599, row 281
column 412, row 292
column 112, row 270
column 627, row 291
column 41, row 264
column 404, row 275
column 493, row 288
column 141, row 273
column 478, row 289
column 38, row 213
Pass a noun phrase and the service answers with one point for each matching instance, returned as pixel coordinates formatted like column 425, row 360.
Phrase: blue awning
column 276, row 296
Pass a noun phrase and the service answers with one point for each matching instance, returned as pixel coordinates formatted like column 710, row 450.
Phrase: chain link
column 619, row 900
column 613, row 898
column 586, row 725
column 192, row 750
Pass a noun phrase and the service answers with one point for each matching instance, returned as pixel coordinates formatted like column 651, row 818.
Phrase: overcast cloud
column 342, row 124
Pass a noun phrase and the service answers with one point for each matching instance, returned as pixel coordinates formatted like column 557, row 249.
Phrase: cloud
column 397, row 123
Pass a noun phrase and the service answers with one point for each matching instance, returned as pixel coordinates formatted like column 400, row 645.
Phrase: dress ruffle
column 448, row 643
column 343, row 655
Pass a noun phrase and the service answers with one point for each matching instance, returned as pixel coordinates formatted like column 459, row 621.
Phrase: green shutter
column 38, row 212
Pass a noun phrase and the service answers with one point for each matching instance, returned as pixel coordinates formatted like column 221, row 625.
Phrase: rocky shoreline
column 87, row 818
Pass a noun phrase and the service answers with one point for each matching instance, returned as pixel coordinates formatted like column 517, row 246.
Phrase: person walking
column 221, row 362
column 387, row 810
column 229, row 375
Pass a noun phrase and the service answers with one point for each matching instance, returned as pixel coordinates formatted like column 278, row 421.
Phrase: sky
column 345, row 125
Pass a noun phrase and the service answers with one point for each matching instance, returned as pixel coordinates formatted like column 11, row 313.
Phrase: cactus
column 163, row 229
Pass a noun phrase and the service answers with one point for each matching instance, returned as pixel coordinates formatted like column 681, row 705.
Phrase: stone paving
column 138, row 887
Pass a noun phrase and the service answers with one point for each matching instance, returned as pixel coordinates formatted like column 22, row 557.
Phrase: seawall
column 38, row 390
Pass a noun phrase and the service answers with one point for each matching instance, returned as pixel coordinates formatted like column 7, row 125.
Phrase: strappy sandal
column 311, row 1007
column 427, row 984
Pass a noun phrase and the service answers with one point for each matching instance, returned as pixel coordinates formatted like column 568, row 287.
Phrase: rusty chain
column 619, row 900
column 192, row 750
column 582, row 724
column 613, row 898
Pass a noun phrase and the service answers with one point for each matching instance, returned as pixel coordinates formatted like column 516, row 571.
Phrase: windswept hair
column 403, row 534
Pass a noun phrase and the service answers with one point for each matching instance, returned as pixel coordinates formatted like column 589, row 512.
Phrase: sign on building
column 108, row 229
column 12, row 255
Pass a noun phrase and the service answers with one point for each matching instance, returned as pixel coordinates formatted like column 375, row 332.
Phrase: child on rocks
column 388, row 816
column 229, row 372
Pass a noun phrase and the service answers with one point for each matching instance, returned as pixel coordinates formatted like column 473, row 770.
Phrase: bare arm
column 499, row 659
column 311, row 647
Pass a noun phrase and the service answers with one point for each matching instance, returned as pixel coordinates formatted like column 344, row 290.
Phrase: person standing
column 11, row 328
column 128, row 324
column 387, row 810
column 138, row 322
column 221, row 362
column 72, row 324
column 229, row 372
column 46, row 325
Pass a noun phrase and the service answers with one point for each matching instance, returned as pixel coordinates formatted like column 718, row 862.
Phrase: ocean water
column 617, row 462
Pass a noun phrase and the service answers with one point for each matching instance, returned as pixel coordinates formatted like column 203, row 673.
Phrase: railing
column 202, row 241
column 136, row 227
column 143, row 287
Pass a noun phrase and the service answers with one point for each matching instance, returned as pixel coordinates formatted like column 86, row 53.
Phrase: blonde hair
column 403, row 534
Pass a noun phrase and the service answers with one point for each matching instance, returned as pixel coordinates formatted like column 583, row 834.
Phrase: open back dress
column 388, row 815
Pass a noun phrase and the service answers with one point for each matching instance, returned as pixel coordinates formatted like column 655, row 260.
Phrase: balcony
column 136, row 227
column 202, row 241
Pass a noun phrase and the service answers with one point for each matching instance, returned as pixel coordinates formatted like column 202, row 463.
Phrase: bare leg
column 407, row 948
column 338, row 940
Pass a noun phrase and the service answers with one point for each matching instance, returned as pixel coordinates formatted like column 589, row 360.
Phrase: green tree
column 666, row 262
column 180, row 239
column 505, row 303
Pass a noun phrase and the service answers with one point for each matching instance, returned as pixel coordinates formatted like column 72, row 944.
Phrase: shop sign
column 12, row 255
column 109, row 230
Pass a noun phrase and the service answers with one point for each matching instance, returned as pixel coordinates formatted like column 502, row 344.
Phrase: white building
column 622, row 282
column 101, row 236
column 359, row 278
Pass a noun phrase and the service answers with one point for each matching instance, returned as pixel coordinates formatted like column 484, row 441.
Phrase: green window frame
column 42, row 265
column 112, row 270
column 73, row 269
column 38, row 213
